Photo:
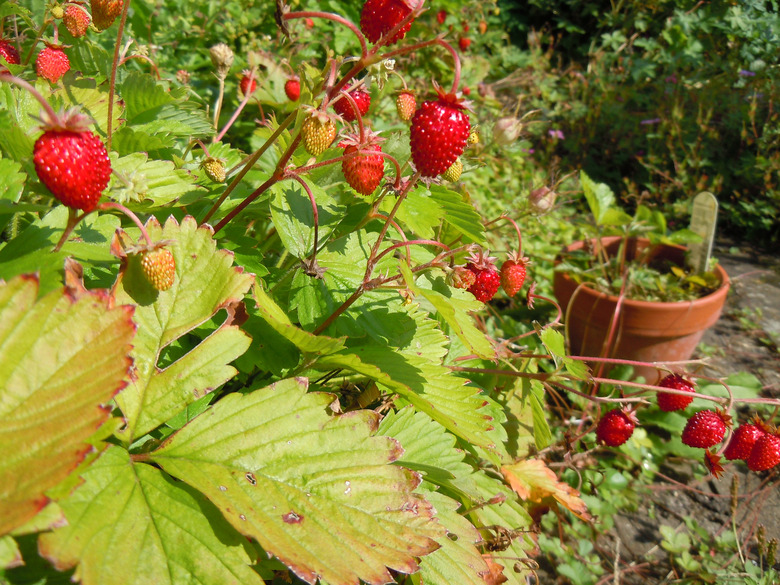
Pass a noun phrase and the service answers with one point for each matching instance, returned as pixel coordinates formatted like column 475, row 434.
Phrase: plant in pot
column 626, row 292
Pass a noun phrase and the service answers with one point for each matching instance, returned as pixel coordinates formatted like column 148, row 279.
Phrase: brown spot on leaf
column 292, row 518
column 250, row 477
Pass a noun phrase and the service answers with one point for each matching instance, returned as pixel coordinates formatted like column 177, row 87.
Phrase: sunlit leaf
column 315, row 490
column 62, row 358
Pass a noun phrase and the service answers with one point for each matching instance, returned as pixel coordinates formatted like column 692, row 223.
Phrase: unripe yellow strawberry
column 318, row 134
column 452, row 174
column 215, row 169
column 159, row 268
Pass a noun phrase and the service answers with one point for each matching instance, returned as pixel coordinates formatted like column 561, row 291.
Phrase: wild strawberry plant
column 231, row 365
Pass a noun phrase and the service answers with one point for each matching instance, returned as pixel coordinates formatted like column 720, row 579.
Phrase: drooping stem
column 519, row 234
column 336, row 18
column 8, row 78
column 389, row 249
column 131, row 215
column 218, row 104
column 73, row 221
column 315, row 212
column 114, row 66
column 250, row 162
column 238, row 111
column 425, row 44
column 142, row 58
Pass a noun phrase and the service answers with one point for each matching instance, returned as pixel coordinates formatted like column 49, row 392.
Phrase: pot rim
column 722, row 290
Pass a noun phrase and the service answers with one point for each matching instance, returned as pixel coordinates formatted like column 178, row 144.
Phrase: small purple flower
column 671, row 78
column 650, row 121
column 556, row 134
column 527, row 150
column 746, row 73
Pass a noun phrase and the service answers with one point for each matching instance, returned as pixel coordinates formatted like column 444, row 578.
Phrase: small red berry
column 439, row 132
column 344, row 108
column 292, row 88
column 742, row 441
column 513, row 274
column 248, row 83
column 72, row 162
column 76, row 20
column 379, row 17
column 462, row 277
column 464, row 43
column 486, row 277
column 363, row 172
column 705, row 429
column 671, row 402
column 9, row 52
column 309, row 23
column 441, row 16
column 52, row 63
column 615, row 427
column 765, row 454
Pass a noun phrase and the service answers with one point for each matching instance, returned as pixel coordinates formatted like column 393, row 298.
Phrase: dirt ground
column 744, row 340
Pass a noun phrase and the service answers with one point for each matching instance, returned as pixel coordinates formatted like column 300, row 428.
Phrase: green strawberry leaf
column 420, row 213
column 10, row 556
column 206, row 282
column 454, row 306
column 458, row 560
column 293, row 216
column 459, row 214
column 91, row 99
column 63, row 357
column 144, row 183
column 129, row 524
column 31, row 251
column 315, row 490
column 12, row 181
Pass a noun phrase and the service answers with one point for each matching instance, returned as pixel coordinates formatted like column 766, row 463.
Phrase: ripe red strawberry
column 104, row 12
column 52, row 63
column 464, row 43
column 248, row 83
column 616, row 427
column 441, row 16
column 671, row 402
column 765, row 454
column 742, row 441
column 318, row 132
column 159, row 267
column 405, row 104
column 292, row 88
column 379, row 17
column 513, row 274
column 705, row 429
column 363, row 172
column 344, row 108
column 486, row 277
column 72, row 162
column 439, row 133
column 309, row 23
column 9, row 53
column 76, row 20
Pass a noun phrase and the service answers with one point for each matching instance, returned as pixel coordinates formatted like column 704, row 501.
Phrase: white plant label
column 703, row 220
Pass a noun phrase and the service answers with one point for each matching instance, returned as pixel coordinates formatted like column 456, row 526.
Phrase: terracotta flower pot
column 646, row 331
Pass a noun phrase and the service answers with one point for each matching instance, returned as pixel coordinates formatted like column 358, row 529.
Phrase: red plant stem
column 314, row 211
column 392, row 159
column 398, row 229
column 114, row 65
column 335, row 18
column 131, row 215
column 330, row 161
column 142, row 58
column 73, row 221
column 249, row 164
column 344, row 306
column 8, row 78
column 424, row 44
column 358, row 115
column 238, row 111
column 241, row 206
column 519, row 234
column 46, row 22
column 410, row 243
column 375, row 249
